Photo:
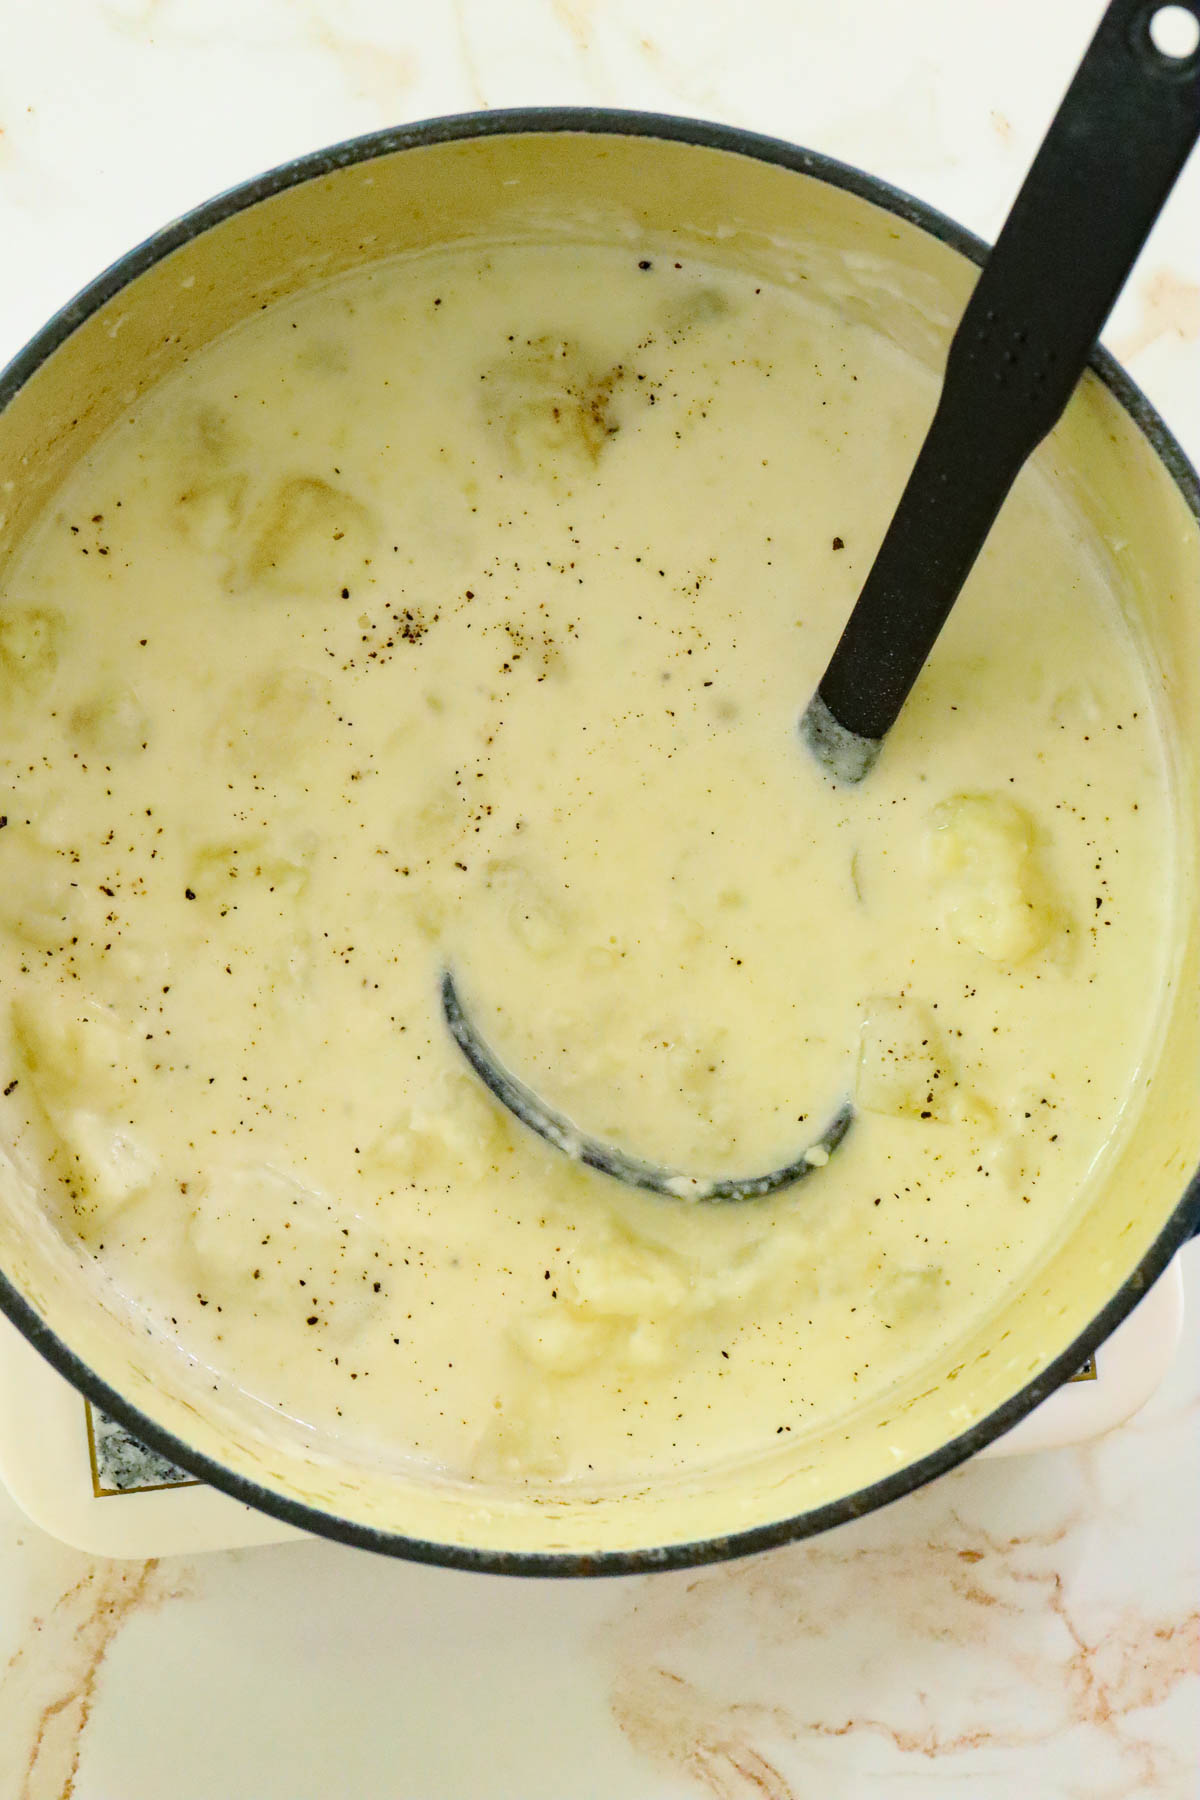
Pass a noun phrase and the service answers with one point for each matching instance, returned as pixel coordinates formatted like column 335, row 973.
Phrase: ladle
column 1097, row 184
column 1118, row 141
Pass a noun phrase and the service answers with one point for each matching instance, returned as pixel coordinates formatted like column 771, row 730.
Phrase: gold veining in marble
column 976, row 1643
column 49, row 1685
column 1170, row 307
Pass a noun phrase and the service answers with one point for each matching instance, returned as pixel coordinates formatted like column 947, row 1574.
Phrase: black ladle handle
column 1099, row 181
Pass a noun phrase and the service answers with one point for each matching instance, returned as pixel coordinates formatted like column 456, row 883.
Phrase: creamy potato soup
column 459, row 616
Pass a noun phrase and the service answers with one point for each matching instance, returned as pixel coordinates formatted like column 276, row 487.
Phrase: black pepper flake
column 839, row 543
column 189, row 893
column 3, row 820
column 8, row 1090
column 645, row 264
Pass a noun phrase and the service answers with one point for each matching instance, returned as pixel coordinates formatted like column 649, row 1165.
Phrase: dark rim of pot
column 1183, row 1221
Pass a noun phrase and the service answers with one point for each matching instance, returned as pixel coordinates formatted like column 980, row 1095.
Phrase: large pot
column 754, row 202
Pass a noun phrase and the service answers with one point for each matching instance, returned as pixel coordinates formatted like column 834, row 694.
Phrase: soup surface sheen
column 460, row 615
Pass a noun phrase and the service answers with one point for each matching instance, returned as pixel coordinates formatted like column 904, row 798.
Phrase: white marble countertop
column 1028, row 1625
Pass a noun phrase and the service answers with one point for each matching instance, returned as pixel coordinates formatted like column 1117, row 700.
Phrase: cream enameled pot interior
column 750, row 215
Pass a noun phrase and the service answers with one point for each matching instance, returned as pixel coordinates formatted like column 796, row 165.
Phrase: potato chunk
column 74, row 1053
column 906, row 1295
column 208, row 511
column 259, row 1237
column 274, row 720
column 112, row 722
column 454, row 1131
column 110, row 1167
column 29, row 642
column 215, row 865
column 904, row 1067
column 80, row 1065
column 38, row 901
column 310, row 537
column 996, row 894
column 547, row 408
column 534, row 916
